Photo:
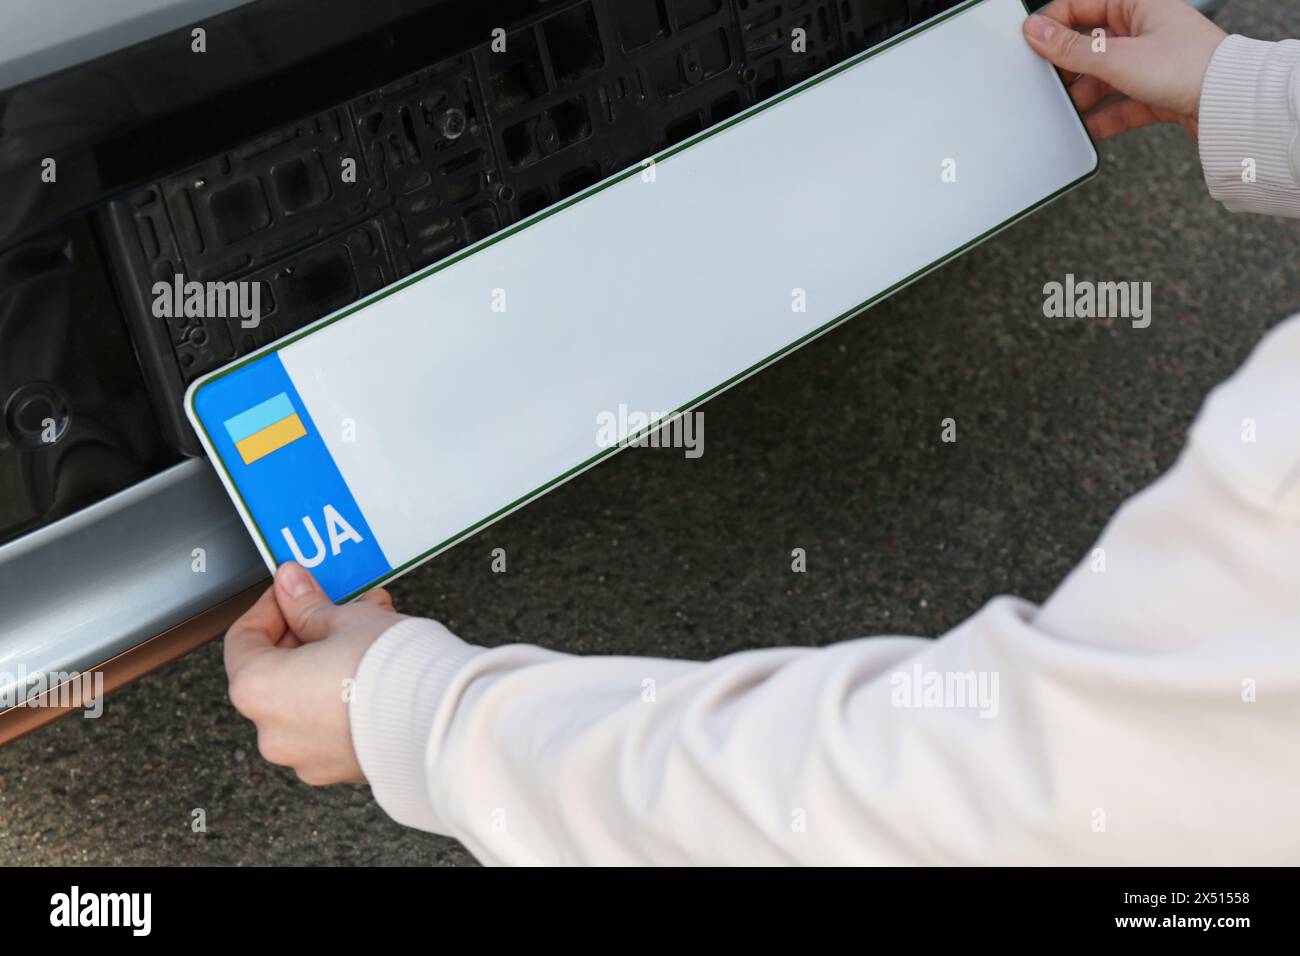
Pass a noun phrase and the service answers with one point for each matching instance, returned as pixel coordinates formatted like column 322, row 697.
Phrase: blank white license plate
column 373, row 439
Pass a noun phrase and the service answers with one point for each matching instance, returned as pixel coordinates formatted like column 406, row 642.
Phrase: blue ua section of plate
column 294, row 493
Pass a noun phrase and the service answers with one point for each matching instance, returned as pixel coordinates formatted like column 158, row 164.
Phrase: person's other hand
column 1156, row 52
column 291, row 659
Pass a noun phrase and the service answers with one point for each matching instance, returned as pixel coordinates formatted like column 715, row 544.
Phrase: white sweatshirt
column 1149, row 712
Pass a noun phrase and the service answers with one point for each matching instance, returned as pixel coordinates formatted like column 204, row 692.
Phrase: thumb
column 1067, row 48
column 306, row 609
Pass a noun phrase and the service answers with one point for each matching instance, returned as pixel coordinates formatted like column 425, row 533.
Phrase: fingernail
column 295, row 579
column 1040, row 28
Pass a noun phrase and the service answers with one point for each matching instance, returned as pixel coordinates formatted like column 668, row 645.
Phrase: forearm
column 796, row 755
column 845, row 755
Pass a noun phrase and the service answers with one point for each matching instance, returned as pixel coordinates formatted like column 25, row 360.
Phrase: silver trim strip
column 94, row 584
column 37, row 38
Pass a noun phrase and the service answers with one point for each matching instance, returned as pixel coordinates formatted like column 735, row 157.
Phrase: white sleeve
column 1148, row 713
column 1249, row 126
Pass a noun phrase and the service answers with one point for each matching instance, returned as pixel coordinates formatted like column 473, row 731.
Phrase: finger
column 255, row 633
column 1088, row 13
column 309, row 613
column 1109, row 121
column 1074, row 52
column 381, row 597
column 1087, row 91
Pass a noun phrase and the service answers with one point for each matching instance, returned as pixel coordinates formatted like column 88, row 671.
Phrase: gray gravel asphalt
column 835, row 450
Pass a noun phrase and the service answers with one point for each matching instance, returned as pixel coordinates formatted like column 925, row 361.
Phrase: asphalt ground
column 836, row 450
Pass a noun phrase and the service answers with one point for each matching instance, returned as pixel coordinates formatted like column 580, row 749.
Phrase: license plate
column 387, row 432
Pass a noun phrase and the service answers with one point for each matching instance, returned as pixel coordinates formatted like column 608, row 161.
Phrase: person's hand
column 291, row 659
column 1156, row 52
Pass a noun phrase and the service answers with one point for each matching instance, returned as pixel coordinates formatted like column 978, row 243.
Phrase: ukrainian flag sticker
column 265, row 428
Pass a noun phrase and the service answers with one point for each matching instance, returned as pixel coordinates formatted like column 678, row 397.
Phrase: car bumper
column 120, row 588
